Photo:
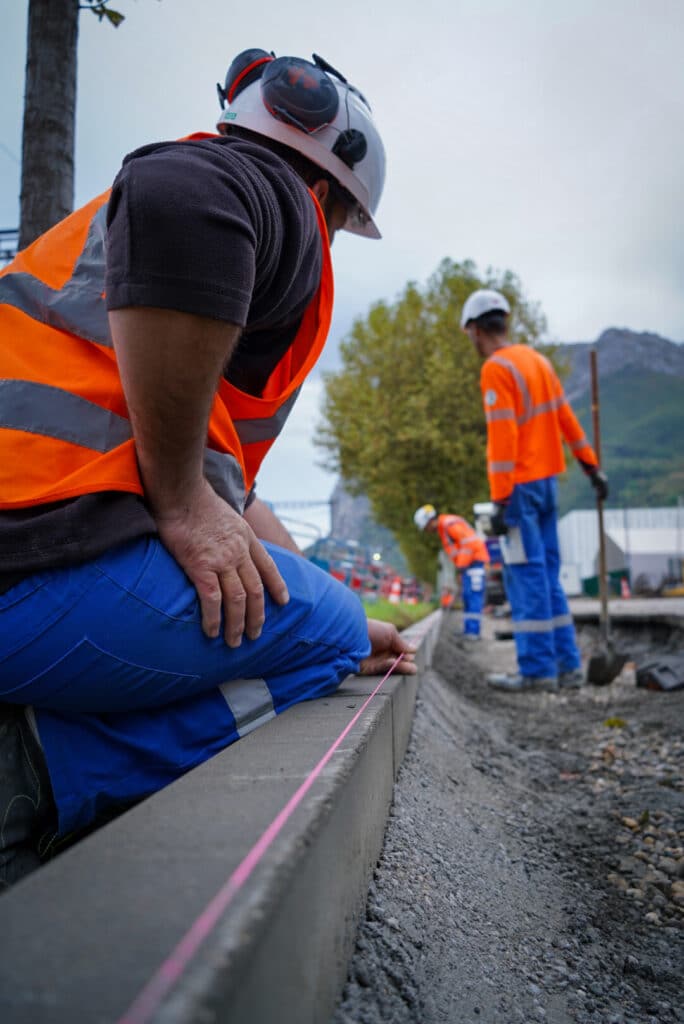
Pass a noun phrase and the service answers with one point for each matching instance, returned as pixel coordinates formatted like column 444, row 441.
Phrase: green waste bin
column 590, row 584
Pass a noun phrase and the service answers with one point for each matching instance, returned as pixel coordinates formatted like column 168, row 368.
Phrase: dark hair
column 300, row 164
column 494, row 322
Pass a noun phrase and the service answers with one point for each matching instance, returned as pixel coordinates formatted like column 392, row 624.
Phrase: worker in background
column 152, row 608
column 468, row 552
column 527, row 417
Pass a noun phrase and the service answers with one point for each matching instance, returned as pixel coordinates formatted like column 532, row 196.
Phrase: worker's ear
column 321, row 189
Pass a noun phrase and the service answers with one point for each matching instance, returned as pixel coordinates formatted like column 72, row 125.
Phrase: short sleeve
column 180, row 235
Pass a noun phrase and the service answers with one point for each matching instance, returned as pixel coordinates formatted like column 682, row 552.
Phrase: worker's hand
column 225, row 562
column 599, row 481
column 386, row 645
column 497, row 521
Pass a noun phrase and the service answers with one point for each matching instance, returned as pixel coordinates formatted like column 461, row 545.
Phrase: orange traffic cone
column 625, row 592
column 395, row 591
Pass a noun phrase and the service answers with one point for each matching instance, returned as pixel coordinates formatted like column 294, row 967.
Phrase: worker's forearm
column 267, row 526
column 170, row 365
column 574, row 436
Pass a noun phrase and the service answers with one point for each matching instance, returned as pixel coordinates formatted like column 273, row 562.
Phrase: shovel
column 605, row 663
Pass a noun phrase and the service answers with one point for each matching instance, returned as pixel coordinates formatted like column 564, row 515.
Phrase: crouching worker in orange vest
column 152, row 609
column 528, row 416
column 469, row 554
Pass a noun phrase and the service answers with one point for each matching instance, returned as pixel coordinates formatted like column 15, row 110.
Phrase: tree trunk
column 47, row 155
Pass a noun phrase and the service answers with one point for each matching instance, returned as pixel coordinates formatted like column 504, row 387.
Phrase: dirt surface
column 533, row 867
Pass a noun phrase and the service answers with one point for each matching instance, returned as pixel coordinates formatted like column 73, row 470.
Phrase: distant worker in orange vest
column 152, row 608
column 528, row 417
column 468, row 551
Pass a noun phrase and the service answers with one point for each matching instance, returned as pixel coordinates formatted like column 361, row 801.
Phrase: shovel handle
column 595, row 404
column 596, row 420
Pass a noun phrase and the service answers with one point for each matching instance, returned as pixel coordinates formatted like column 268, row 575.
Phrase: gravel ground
column 533, row 867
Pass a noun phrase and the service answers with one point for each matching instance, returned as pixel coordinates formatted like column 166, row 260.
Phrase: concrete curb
column 633, row 611
column 85, row 934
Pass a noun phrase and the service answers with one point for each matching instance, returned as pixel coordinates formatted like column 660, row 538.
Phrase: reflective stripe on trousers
column 473, row 598
column 542, row 625
column 250, row 703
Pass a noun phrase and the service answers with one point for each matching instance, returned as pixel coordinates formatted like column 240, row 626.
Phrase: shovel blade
column 605, row 666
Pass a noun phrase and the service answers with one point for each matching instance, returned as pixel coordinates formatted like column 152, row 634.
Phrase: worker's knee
column 321, row 609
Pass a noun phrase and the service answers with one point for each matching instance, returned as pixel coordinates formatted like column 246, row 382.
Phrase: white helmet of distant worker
column 484, row 300
column 311, row 108
column 424, row 515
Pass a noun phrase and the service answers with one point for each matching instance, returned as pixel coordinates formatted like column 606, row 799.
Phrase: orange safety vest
column 527, row 417
column 461, row 543
column 64, row 425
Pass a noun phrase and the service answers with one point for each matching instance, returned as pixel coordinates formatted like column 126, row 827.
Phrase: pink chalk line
column 167, row 975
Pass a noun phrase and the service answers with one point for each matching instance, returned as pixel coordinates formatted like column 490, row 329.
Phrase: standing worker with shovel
column 528, row 416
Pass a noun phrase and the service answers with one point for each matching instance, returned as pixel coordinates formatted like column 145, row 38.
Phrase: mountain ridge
column 618, row 348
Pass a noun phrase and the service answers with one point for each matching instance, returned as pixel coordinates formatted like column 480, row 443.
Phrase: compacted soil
column 533, row 867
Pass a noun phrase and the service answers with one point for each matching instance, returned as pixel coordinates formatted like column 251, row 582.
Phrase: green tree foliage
column 403, row 419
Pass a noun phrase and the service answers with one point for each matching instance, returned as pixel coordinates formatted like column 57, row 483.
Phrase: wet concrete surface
column 533, row 866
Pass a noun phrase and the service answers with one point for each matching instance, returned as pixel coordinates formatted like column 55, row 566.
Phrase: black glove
column 497, row 521
column 599, row 481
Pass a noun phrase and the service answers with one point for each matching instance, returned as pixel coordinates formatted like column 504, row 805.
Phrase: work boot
column 516, row 683
column 571, row 680
column 27, row 811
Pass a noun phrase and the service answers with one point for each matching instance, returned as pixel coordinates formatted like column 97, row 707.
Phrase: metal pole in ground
column 596, row 420
column 605, row 664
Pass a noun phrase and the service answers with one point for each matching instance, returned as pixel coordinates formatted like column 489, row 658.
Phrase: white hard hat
column 423, row 515
column 313, row 109
column 484, row 300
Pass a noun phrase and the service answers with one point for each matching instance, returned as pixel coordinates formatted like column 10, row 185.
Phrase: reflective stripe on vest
column 52, row 412
column 450, row 545
column 500, row 414
column 529, row 408
column 78, row 307
column 470, row 543
column 267, row 427
column 519, row 380
column 60, row 439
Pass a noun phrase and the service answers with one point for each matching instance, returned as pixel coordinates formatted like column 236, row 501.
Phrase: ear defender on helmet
column 299, row 93
column 246, row 68
column 351, row 147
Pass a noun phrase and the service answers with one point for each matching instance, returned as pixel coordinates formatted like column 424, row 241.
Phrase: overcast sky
column 542, row 136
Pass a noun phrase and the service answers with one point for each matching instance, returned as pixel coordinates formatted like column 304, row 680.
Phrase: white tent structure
column 648, row 542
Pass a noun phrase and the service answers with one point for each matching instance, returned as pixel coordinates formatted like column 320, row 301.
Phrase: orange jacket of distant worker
column 527, row 416
column 461, row 543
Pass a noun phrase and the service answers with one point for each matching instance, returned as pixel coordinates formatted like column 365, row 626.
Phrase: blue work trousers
column 127, row 691
column 473, row 592
column 542, row 624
